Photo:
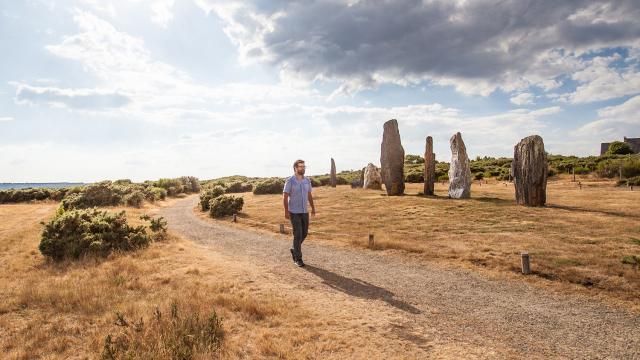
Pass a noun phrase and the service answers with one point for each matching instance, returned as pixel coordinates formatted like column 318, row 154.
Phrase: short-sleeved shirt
column 298, row 191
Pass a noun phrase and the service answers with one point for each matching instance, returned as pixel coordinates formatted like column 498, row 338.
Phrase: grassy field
column 585, row 239
column 67, row 310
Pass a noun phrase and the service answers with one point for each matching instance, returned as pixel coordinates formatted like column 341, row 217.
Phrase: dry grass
column 67, row 310
column 578, row 241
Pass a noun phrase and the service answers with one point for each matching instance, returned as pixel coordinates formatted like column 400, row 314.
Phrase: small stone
column 372, row 178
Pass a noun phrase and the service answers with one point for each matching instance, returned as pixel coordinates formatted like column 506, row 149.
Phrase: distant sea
column 5, row 186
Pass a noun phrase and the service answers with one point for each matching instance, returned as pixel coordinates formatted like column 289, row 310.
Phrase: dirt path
column 421, row 309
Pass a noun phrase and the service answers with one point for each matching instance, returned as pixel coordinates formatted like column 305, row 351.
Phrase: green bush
column 633, row 181
column 414, row 177
column 238, row 187
column 209, row 194
column 225, row 205
column 619, row 148
column 611, row 168
column 134, row 199
column 75, row 233
column 582, row 170
column 158, row 193
column 31, row 194
column 269, row 186
column 413, row 159
column 478, row 176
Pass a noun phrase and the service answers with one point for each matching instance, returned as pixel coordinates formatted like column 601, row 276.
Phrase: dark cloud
column 371, row 41
column 86, row 99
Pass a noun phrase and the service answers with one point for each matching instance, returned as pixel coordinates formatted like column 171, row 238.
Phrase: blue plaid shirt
column 298, row 191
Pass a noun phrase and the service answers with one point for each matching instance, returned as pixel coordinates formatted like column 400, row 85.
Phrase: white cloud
column 6, row 118
column 449, row 43
column 89, row 99
column 161, row 12
column 599, row 80
column 522, row 99
column 614, row 122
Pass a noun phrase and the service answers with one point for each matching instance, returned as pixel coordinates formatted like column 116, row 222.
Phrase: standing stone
column 459, row 171
column 333, row 179
column 392, row 159
column 362, row 177
column 429, row 167
column 372, row 178
column 530, row 171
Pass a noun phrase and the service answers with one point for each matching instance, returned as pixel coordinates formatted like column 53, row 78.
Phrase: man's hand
column 286, row 215
column 313, row 212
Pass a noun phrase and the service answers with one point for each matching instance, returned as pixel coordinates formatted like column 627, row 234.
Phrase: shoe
column 293, row 255
column 299, row 263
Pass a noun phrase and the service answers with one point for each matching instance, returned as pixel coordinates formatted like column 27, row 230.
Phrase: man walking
column 296, row 194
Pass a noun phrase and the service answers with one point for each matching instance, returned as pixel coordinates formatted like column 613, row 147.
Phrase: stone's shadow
column 495, row 200
column 360, row 288
column 591, row 211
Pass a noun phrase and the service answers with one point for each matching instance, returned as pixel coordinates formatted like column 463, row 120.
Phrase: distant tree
column 619, row 148
column 413, row 159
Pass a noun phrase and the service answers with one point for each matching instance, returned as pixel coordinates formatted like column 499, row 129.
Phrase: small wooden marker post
column 370, row 241
column 281, row 228
column 235, row 217
column 526, row 269
column 573, row 170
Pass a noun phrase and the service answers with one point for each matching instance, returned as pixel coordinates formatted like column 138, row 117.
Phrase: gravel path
column 434, row 304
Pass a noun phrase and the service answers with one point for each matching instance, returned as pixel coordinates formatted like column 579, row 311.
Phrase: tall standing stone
column 459, row 171
column 362, row 176
column 333, row 179
column 372, row 178
column 530, row 171
column 429, row 167
column 392, row 159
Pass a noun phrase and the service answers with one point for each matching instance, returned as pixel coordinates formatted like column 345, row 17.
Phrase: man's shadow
column 359, row 288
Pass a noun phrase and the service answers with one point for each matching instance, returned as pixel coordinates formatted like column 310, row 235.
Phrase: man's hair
column 295, row 164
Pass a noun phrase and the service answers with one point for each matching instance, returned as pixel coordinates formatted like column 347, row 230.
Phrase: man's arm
column 285, row 202
column 313, row 207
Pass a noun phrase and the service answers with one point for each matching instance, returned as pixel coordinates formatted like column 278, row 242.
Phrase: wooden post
column 580, row 184
column 370, row 240
column 235, row 217
column 526, row 269
column 281, row 228
column 573, row 171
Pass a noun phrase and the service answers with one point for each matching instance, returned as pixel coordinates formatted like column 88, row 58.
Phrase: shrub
column 75, row 233
column 611, row 168
column 414, row 177
column 238, row 187
column 413, row 159
column 619, row 148
column 210, row 194
column 582, row 170
column 225, row 205
column 190, row 184
column 158, row 193
column 135, row 198
column 269, row 186
column 634, row 181
column 315, row 182
column 478, row 176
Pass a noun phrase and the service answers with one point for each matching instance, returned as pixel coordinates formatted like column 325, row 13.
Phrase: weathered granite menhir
column 530, row 171
column 392, row 159
column 429, row 167
column 459, row 171
column 372, row 178
column 333, row 178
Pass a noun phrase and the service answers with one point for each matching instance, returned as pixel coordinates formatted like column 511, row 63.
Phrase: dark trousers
column 300, row 225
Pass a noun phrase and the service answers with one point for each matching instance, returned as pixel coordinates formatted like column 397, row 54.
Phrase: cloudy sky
column 98, row 89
